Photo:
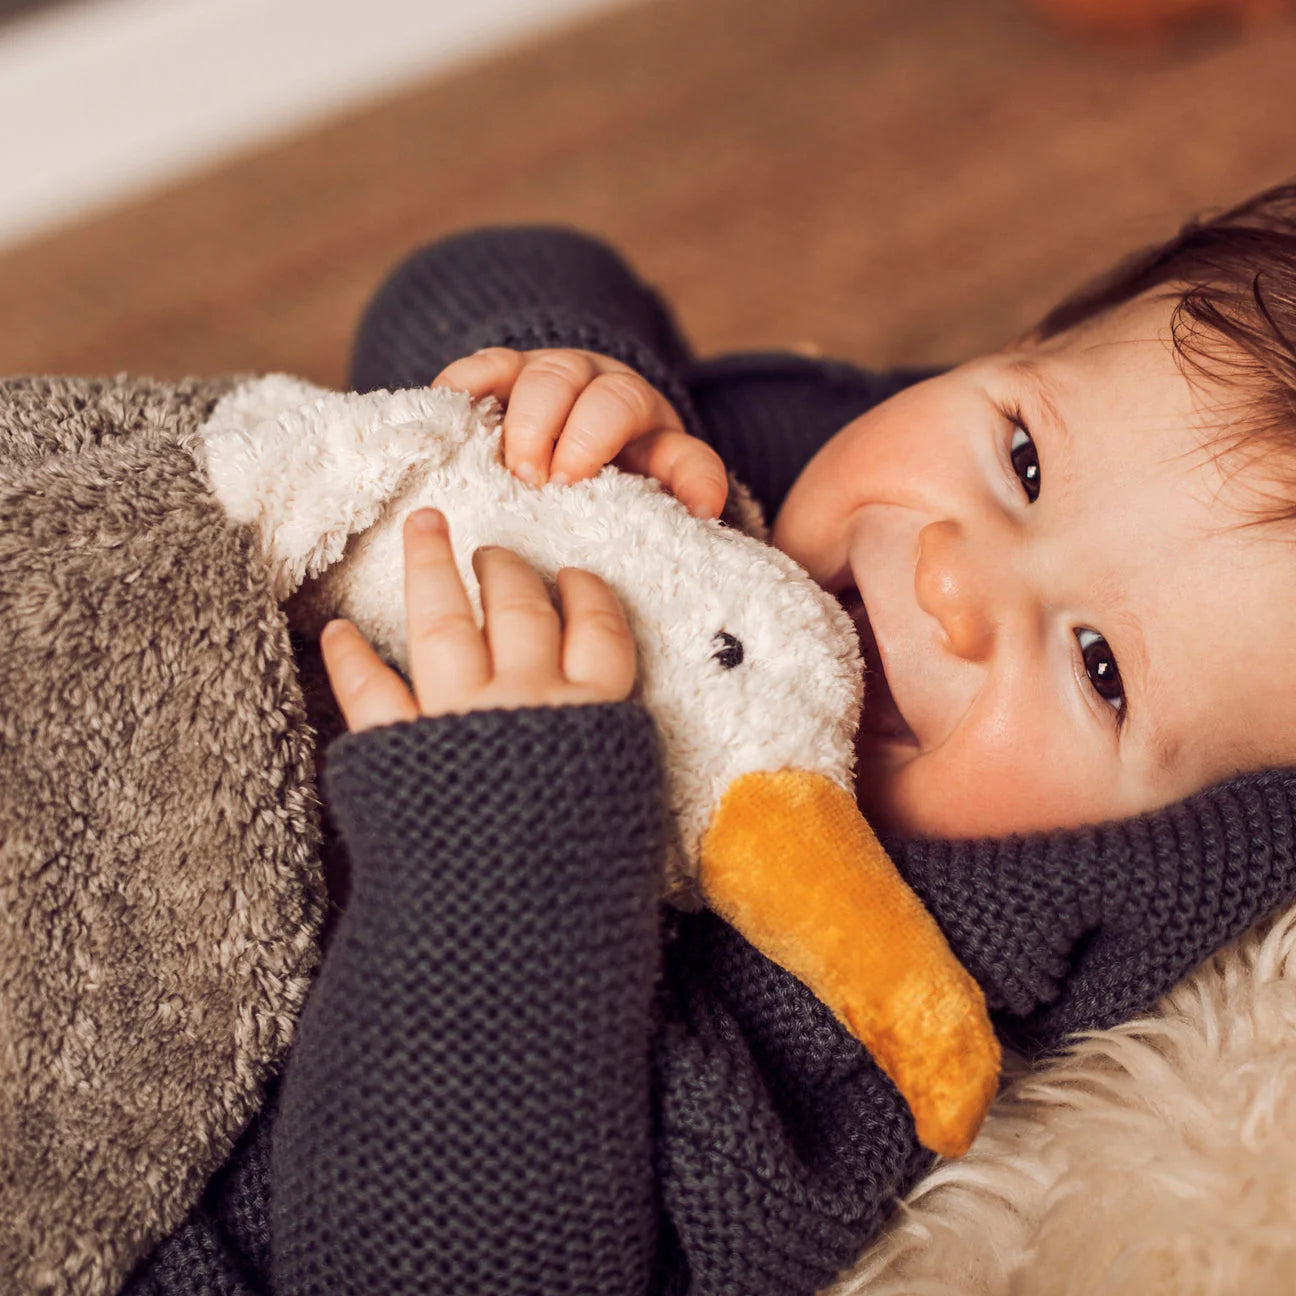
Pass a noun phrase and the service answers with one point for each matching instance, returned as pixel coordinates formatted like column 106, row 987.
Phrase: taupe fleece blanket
column 161, row 894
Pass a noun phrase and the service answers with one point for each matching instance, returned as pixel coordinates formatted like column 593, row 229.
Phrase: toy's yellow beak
column 789, row 860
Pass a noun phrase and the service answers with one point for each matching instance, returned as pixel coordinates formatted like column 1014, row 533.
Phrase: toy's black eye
column 730, row 652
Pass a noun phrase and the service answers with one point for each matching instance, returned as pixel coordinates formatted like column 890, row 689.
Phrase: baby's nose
column 948, row 586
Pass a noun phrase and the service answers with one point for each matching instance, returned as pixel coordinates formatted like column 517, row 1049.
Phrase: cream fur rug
column 1154, row 1159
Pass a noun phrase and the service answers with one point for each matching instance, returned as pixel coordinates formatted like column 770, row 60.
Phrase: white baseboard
column 105, row 98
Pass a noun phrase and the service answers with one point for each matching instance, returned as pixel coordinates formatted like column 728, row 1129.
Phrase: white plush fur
column 326, row 480
column 1154, row 1159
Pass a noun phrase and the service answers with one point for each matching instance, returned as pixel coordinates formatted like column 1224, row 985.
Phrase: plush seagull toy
column 751, row 671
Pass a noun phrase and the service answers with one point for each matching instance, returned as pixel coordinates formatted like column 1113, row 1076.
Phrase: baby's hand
column 598, row 411
column 522, row 657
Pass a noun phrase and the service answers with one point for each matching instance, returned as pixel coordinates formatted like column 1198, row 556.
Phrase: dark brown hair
column 1234, row 275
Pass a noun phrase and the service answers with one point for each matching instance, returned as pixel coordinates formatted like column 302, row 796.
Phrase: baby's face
column 1070, row 622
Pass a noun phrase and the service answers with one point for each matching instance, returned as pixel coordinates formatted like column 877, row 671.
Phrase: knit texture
column 1069, row 930
column 512, row 1074
column 766, row 413
column 553, row 287
column 782, row 1145
column 499, row 950
column 1078, row 930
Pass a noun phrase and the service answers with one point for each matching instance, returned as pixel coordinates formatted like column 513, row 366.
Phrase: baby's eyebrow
column 1046, row 396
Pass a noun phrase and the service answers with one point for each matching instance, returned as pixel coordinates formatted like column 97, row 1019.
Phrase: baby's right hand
column 568, row 412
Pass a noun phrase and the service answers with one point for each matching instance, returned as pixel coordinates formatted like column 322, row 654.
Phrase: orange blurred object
column 1150, row 17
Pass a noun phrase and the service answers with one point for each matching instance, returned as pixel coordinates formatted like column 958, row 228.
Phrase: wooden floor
column 884, row 180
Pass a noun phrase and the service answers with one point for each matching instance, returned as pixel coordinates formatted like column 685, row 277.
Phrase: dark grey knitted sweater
column 516, row 1074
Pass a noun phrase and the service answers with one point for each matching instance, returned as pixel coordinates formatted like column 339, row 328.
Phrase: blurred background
column 208, row 186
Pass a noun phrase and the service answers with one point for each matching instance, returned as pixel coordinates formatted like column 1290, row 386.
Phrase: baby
column 515, row 1072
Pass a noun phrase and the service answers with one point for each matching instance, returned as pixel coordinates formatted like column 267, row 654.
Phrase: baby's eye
column 1025, row 461
column 1100, row 667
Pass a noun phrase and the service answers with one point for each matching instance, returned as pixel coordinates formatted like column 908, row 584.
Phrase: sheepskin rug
column 1154, row 1159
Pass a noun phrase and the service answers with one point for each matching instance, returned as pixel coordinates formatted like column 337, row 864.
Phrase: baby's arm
column 467, row 1104
column 525, row 287
column 521, row 286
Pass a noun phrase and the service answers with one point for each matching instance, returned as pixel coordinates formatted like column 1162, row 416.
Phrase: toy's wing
column 307, row 468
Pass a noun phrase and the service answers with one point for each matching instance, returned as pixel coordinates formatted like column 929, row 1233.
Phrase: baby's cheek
column 993, row 791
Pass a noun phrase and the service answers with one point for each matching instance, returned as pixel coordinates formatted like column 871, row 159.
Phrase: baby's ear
column 306, row 467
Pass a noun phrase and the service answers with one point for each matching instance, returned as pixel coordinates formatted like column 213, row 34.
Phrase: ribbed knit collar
column 1081, row 928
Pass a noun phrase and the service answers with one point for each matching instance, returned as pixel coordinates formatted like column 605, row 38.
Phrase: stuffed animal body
column 751, row 670
column 742, row 660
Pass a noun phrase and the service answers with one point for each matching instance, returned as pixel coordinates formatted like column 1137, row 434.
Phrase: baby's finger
column 368, row 692
column 692, row 471
column 491, row 371
column 614, row 409
column 522, row 623
column 598, row 648
column 448, row 657
column 541, row 402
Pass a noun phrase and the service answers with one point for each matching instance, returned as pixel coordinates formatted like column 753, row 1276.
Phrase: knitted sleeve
column 783, row 1148
column 780, row 1147
column 523, row 286
column 467, row 1105
column 767, row 413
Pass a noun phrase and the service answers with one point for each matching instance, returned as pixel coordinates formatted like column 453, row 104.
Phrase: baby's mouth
column 881, row 717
